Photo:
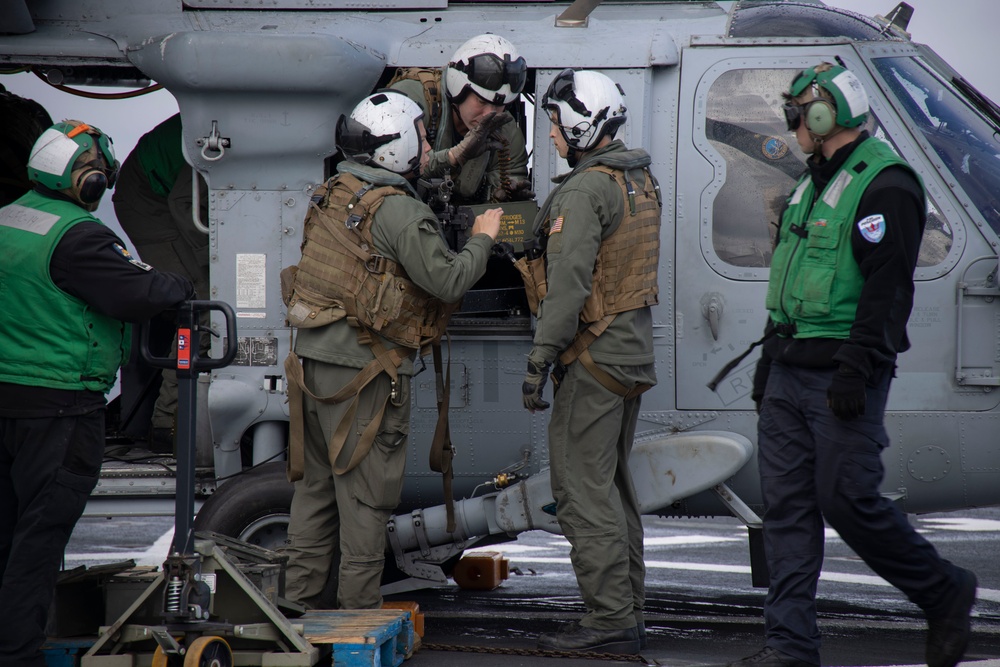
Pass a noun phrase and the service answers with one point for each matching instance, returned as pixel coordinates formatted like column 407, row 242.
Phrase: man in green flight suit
column 373, row 286
column 474, row 141
column 600, row 231
column 153, row 205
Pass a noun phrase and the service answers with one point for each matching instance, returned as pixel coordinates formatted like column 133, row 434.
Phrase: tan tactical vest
column 341, row 273
column 625, row 273
column 430, row 79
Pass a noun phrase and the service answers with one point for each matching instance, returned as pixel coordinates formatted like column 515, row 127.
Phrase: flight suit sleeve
column 879, row 330
column 406, row 230
column 91, row 263
column 582, row 211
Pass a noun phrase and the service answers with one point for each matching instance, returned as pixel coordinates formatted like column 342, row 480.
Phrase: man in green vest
column 473, row 140
column 372, row 288
column 595, row 332
column 68, row 288
column 152, row 201
column 839, row 295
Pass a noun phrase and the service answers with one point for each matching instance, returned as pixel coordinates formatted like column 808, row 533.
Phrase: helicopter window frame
column 771, row 142
column 944, row 180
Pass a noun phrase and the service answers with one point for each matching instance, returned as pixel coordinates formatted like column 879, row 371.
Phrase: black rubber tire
column 253, row 507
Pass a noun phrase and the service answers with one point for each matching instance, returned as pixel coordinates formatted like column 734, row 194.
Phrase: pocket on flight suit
column 380, row 474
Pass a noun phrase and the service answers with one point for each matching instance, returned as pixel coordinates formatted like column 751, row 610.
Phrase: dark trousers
column 48, row 467
column 814, row 466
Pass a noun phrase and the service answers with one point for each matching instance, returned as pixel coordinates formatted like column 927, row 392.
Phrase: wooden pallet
column 361, row 637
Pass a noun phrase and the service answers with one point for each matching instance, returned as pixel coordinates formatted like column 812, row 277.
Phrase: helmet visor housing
column 383, row 130
column 489, row 66
column 587, row 106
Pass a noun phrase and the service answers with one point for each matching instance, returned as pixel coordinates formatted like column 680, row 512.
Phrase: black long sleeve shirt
column 878, row 334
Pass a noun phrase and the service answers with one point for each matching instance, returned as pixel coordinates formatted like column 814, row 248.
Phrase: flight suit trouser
column 590, row 439
column 815, row 466
column 48, row 467
column 343, row 517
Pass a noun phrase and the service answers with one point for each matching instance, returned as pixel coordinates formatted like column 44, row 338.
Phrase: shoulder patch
column 556, row 226
column 123, row 251
column 872, row 228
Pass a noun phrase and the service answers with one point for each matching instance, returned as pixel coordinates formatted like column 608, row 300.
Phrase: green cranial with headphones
column 75, row 157
column 839, row 99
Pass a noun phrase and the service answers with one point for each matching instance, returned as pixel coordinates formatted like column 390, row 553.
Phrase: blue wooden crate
column 65, row 652
column 361, row 637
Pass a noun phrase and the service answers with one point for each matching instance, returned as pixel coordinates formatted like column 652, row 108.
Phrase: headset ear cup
column 820, row 117
column 92, row 185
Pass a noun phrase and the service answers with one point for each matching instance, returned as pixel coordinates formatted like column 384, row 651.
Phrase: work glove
column 846, row 394
column 478, row 140
column 534, row 383
column 517, row 191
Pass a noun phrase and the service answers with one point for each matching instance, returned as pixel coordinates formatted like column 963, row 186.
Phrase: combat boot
column 948, row 634
column 771, row 657
column 581, row 638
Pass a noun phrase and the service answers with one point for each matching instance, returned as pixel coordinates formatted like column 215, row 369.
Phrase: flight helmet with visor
column 586, row 106
column 383, row 131
column 489, row 66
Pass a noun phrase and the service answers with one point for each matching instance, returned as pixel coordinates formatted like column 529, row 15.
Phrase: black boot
column 580, row 638
column 771, row 657
column 948, row 634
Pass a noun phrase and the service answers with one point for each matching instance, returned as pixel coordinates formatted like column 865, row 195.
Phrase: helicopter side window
column 964, row 141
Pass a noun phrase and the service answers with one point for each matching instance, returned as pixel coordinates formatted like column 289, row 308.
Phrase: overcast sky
column 963, row 32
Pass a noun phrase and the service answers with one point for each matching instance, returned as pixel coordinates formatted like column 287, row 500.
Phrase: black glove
column 517, row 191
column 534, row 383
column 846, row 395
column 478, row 140
column 760, row 381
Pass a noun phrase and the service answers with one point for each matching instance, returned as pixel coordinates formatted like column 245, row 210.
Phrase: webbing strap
column 585, row 338
column 608, row 382
column 442, row 451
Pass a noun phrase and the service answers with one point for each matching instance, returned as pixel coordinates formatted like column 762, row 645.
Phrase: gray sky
column 963, row 32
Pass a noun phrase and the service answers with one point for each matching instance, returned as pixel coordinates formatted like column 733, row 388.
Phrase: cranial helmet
column 489, row 66
column 76, row 159
column 587, row 106
column 838, row 99
column 383, row 131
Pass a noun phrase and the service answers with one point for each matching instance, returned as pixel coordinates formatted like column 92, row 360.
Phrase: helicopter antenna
column 577, row 14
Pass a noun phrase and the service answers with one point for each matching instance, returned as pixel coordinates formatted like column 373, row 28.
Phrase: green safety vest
column 49, row 338
column 815, row 283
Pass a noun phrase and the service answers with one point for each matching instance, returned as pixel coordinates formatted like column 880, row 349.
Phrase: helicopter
column 260, row 86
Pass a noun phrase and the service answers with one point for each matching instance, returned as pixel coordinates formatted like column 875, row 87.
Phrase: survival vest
column 342, row 275
column 815, row 282
column 430, row 79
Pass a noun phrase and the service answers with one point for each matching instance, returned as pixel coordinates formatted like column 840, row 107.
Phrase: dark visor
column 490, row 72
column 793, row 115
column 562, row 90
column 353, row 138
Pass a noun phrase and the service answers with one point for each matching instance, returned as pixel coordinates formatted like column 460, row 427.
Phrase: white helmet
column 587, row 105
column 489, row 66
column 382, row 131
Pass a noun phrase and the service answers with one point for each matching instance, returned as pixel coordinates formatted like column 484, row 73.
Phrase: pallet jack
column 201, row 610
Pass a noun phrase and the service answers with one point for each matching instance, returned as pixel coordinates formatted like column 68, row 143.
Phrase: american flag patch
column 556, row 226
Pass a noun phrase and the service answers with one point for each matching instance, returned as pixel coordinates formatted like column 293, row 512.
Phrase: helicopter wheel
column 208, row 652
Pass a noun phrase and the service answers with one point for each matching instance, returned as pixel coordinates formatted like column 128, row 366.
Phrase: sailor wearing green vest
column 370, row 289
column 600, row 230
column 839, row 295
column 472, row 138
column 68, row 289
column 153, row 205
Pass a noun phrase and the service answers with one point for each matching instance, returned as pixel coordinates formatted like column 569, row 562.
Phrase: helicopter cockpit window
column 966, row 144
column 745, row 124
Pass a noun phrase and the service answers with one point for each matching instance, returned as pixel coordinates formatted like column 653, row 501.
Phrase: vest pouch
column 309, row 311
column 287, row 280
column 535, row 285
column 388, row 301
